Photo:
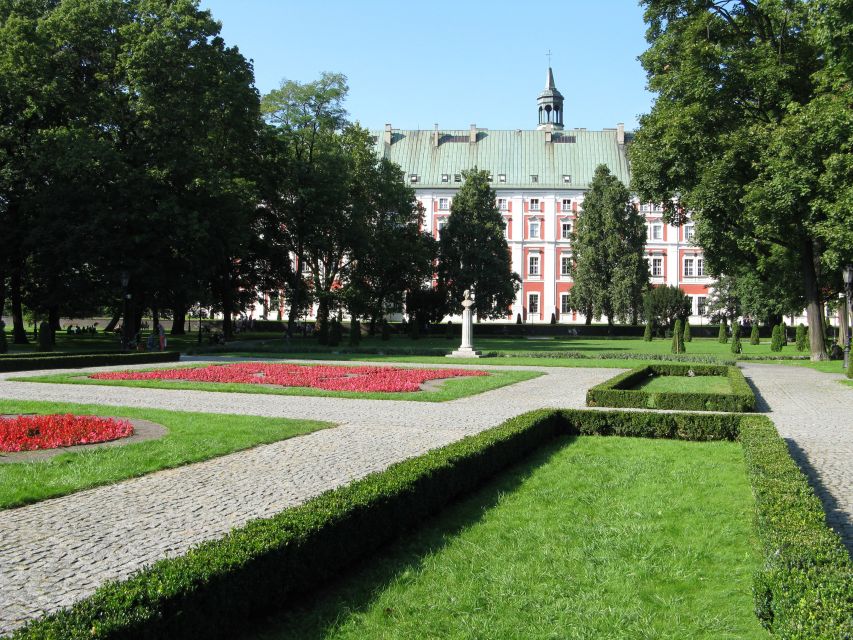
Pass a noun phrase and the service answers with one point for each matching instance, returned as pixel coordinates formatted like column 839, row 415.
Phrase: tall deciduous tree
column 609, row 271
column 752, row 131
column 473, row 252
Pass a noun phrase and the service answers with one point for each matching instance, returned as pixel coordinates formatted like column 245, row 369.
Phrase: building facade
column 540, row 177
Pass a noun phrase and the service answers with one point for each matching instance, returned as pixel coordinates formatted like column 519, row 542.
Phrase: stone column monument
column 466, row 349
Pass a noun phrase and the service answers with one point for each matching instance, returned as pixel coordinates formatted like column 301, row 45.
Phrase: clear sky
column 415, row 64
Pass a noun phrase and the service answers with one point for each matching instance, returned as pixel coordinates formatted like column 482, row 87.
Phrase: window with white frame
column 445, row 177
column 701, row 305
column 533, row 265
column 700, row 267
column 565, row 265
column 413, row 178
column 457, row 177
column 657, row 267
column 501, row 177
column 647, row 207
column 533, row 303
column 506, row 228
column 533, row 227
column 534, row 204
column 566, row 205
column 439, row 226
column 566, row 230
column 656, row 231
column 534, row 178
column 502, row 204
column 565, row 307
column 567, row 179
column 444, row 204
column 689, row 232
column 688, row 268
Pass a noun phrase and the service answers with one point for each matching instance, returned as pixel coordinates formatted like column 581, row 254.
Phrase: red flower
column 329, row 378
column 27, row 433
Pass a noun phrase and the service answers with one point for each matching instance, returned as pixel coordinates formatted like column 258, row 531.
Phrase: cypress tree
column 647, row 334
column 753, row 336
column 736, row 346
column 801, row 337
column 723, row 336
column 678, row 338
column 784, row 334
column 776, row 339
column 687, row 336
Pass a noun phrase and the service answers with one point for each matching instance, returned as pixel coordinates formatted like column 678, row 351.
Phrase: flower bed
column 30, row 433
column 328, row 378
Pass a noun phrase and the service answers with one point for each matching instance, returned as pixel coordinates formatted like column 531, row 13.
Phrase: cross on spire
column 548, row 54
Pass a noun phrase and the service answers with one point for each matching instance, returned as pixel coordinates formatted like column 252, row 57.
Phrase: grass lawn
column 590, row 538
column 450, row 389
column 684, row 384
column 192, row 437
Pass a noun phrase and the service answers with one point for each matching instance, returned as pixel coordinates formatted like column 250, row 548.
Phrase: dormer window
column 534, row 178
column 445, row 177
column 567, row 179
column 413, row 178
column 457, row 177
column 534, row 204
column 501, row 177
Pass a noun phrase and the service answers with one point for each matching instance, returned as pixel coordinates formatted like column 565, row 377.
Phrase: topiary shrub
column 334, row 333
column 4, row 346
column 723, row 336
column 687, row 336
column 850, row 368
column 754, row 338
column 648, row 334
column 678, row 338
column 553, row 318
column 517, row 318
column 736, row 346
column 776, row 339
column 45, row 338
column 784, row 334
column 448, row 334
column 802, row 337
column 354, row 332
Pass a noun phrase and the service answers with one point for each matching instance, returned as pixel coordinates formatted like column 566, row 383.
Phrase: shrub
column 33, row 362
column 736, row 346
column 517, row 318
column 448, row 333
column 553, row 318
column 678, row 338
column 723, row 336
column 354, row 333
column 4, row 346
column 753, row 335
column 335, row 333
column 648, row 333
column 386, row 331
column 687, row 336
column 850, row 367
column 802, row 337
column 776, row 339
column 45, row 338
column 784, row 334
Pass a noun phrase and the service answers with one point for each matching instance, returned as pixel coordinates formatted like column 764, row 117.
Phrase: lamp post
column 125, row 325
column 848, row 293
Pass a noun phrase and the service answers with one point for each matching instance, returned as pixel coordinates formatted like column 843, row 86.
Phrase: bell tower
column 550, row 104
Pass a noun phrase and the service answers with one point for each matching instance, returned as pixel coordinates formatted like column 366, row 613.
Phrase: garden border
column 75, row 361
column 617, row 391
column 805, row 583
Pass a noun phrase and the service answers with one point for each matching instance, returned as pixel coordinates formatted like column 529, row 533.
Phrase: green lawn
column 450, row 389
column 192, row 437
column 685, row 384
column 590, row 538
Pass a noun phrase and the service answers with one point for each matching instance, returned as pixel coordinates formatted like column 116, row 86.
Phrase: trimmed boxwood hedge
column 75, row 361
column 619, row 392
column 215, row 588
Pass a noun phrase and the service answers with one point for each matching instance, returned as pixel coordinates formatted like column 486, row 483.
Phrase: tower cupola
column 550, row 104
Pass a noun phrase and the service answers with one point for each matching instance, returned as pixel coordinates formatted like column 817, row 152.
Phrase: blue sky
column 415, row 64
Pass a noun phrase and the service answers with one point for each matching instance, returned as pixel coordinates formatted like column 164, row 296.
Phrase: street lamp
column 848, row 292
column 125, row 325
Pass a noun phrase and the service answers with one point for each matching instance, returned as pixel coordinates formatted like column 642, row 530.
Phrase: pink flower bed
column 329, row 378
column 28, row 433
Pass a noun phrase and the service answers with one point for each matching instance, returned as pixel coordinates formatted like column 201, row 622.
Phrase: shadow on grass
column 316, row 614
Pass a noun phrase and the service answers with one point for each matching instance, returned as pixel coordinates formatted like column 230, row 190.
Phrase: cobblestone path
column 58, row 551
column 815, row 416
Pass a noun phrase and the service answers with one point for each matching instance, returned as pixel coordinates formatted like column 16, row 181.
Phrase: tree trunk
column 155, row 317
column 588, row 316
column 179, row 319
column 227, row 325
column 812, row 291
column 113, row 323
column 20, row 335
column 53, row 321
column 323, row 320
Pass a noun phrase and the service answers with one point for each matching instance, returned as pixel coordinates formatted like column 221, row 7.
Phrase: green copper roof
column 517, row 154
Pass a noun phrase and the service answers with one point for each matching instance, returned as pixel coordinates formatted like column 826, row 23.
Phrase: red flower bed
column 28, row 433
column 329, row 378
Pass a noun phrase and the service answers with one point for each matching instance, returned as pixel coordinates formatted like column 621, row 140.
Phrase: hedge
column 75, row 361
column 58, row 354
column 217, row 587
column 619, row 391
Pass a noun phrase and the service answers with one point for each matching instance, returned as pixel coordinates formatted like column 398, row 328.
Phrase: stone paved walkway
column 57, row 551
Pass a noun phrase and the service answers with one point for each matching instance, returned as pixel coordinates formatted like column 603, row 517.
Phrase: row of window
column 414, row 178
column 565, row 307
column 503, row 204
column 654, row 231
column 533, row 262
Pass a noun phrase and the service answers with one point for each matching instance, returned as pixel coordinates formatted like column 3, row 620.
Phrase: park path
column 57, row 551
column 814, row 414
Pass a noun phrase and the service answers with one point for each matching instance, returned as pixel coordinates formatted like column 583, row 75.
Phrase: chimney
column 548, row 133
column 620, row 133
column 435, row 136
column 472, row 134
column 388, row 134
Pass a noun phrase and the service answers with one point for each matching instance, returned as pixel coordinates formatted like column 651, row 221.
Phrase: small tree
column 753, row 335
column 664, row 304
column 802, row 338
column 4, row 346
column 648, row 334
column 678, row 338
column 736, row 346
column 334, row 337
column 723, row 336
column 687, row 336
column 45, row 337
column 784, row 330
column 776, row 339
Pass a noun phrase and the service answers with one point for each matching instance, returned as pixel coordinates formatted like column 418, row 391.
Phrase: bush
column 354, row 333
column 784, row 334
column 736, row 347
column 687, row 335
column 619, row 391
column 386, row 331
column 802, row 338
column 850, row 367
column 723, row 336
column 776, row 339
column 35, row 362
column 449, row 332
column 753, row 335
column 648, row 333
column 45, row 338
column 4, row 346
column 678, row 338
column 335, row 333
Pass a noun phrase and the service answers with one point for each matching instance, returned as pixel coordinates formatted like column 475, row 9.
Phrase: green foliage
column 473, row 250
column 736, row 347
column 665, row 303
column 335, row 333
column 386, row 331
column 45, row 337
column 678, row 338
column 754, row 338
column 354, row 333
column 621, row 391
column 4, row 346
column 34, row 362
column 609, row 269
column 723, row 336
column 648, row 333
column 687, row 335
column 802, row 338
column 776, row 339
column 850, row 368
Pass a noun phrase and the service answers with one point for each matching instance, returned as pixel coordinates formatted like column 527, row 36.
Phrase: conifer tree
column 736, row 346
column 678, row 338
column 801, row 337
column 723, row 336
column 776, row 339
column 688, row 337
column 754, row 338
column 648, row 334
